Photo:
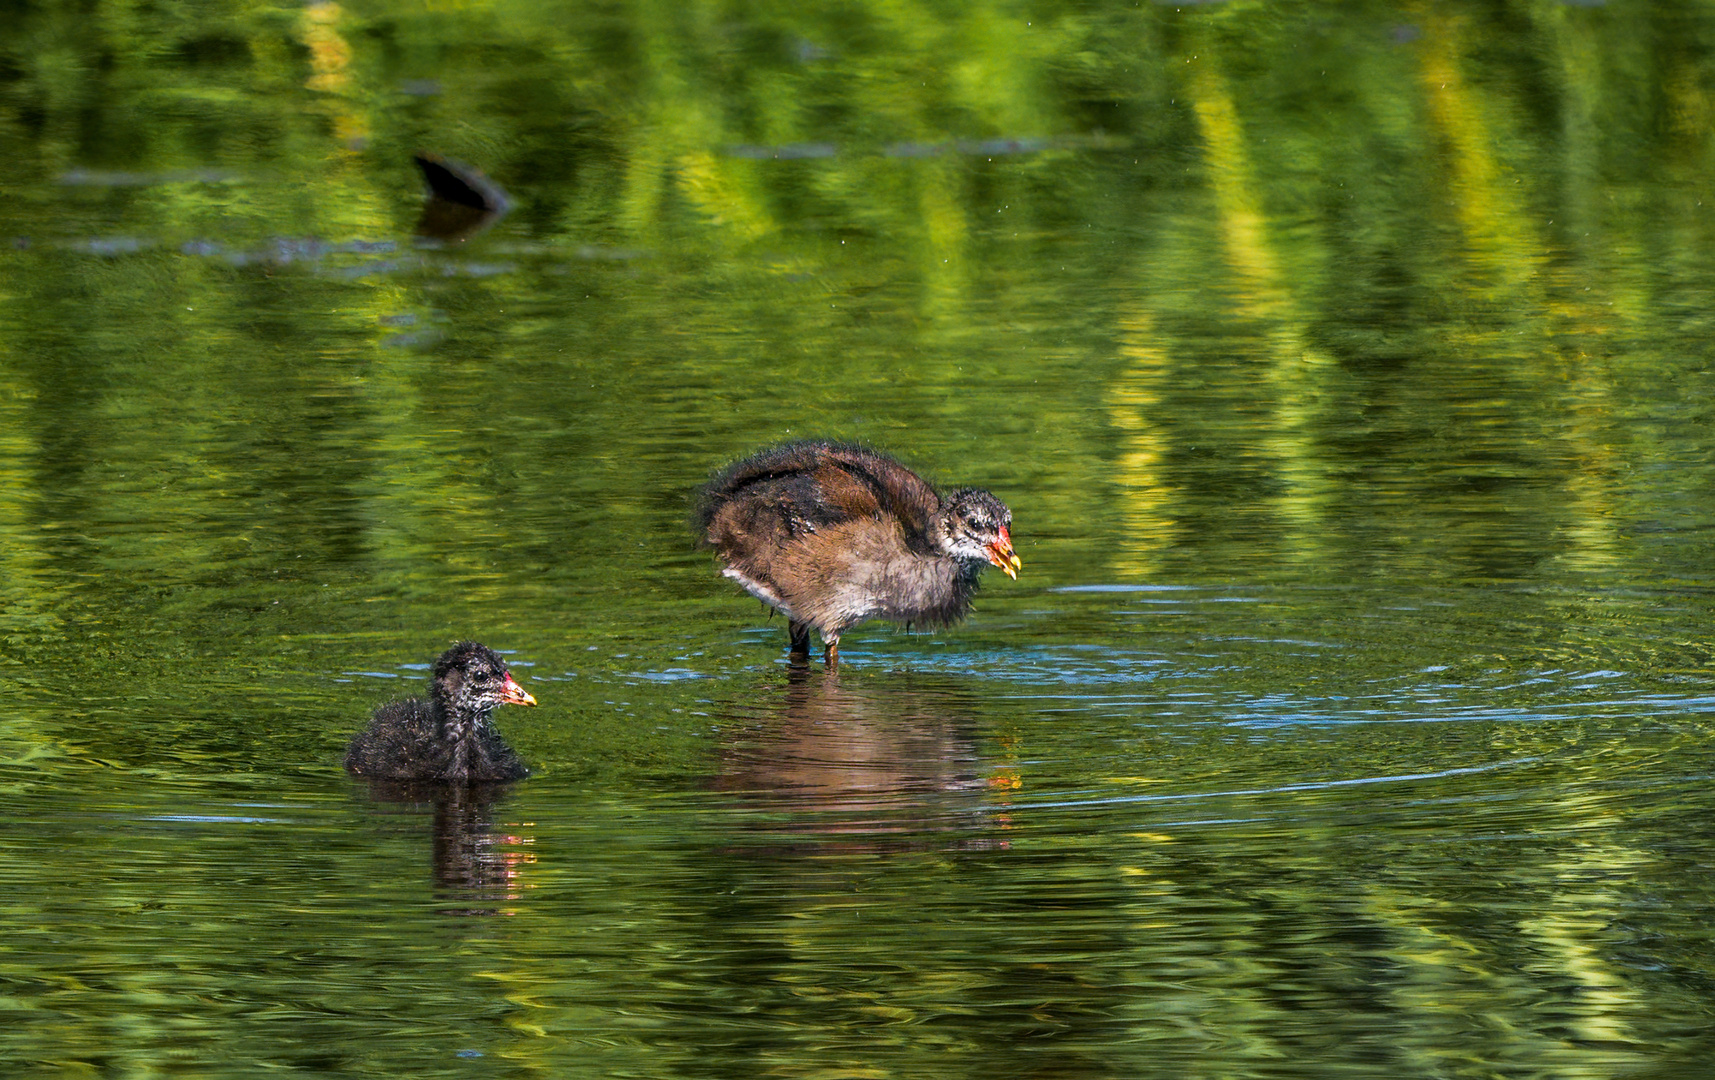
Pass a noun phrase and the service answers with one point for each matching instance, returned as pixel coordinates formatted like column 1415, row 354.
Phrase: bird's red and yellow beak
column 1002, row 555
column 513, row 694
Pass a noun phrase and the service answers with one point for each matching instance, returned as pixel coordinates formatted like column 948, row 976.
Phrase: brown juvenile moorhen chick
column 447, row 737
column 832, row 535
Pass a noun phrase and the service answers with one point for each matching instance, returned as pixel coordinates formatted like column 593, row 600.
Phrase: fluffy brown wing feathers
column 813, row 484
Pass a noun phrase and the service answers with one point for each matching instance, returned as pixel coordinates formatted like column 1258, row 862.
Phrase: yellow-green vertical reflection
column 1135, row 399
column 1259, row 298
column 1483, row 191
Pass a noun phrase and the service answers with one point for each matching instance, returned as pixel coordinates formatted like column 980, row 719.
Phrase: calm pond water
column 1348, row 375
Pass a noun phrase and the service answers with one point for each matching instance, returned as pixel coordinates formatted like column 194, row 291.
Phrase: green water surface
column 1347, row 368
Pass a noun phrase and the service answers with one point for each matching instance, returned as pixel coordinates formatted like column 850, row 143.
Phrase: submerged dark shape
column 833, row 534
column 462, row 201
column 447, row 737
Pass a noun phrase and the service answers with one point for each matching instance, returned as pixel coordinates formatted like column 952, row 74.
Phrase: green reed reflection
column 1333, row 272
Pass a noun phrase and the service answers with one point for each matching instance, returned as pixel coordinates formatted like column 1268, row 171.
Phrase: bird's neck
column 459, row 725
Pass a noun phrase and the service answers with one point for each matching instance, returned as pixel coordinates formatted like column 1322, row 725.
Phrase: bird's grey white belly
column 898, row 590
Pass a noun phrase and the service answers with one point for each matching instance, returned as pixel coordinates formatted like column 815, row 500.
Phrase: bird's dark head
column 977, row 527
column 470, row 677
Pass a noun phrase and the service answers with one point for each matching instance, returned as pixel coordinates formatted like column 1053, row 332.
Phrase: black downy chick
column 448, row 736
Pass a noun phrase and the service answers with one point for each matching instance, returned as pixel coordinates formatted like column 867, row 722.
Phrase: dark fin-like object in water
column 462, row 201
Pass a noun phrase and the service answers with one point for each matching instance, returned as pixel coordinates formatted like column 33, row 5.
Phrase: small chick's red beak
column 1002, row 555
column 513, row 694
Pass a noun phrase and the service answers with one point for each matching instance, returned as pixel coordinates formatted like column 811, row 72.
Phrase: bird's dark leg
column 831, row 650
column 800, row 632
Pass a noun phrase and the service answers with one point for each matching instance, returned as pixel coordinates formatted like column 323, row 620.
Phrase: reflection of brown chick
column 447, row 737
column 875, row 767
column 832, row 535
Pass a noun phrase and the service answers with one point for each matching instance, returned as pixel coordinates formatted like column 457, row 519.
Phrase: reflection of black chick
column 447, row 737
column 833, row 535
